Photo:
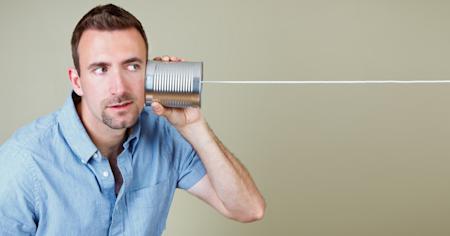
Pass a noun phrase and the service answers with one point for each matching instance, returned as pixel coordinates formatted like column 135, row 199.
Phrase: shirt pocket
column 148, row 207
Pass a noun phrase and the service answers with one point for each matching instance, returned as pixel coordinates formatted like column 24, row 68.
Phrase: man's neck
column 109, row 141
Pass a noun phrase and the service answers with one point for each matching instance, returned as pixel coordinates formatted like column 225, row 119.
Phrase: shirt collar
column 133, row 136
column 74, row 131
column 77, row 137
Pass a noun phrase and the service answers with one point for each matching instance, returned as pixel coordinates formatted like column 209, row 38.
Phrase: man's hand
column 168, row 59
column 180, row 118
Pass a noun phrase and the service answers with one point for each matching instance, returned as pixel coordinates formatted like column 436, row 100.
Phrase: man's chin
column 119, row 123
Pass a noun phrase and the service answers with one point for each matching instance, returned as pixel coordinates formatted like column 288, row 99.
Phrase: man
column 106, row 165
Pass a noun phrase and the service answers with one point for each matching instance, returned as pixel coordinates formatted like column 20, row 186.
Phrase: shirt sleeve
column 190, row 168
column 17, row 198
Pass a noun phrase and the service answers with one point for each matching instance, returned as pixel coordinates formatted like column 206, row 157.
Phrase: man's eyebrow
column 133, row 59
column 98, row 64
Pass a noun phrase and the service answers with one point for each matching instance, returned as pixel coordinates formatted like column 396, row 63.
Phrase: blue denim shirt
column 54, row 181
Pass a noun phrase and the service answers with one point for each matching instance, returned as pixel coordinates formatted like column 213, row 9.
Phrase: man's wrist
column 197, row 133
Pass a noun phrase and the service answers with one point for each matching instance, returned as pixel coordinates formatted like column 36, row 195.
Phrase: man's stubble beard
column 110, row 121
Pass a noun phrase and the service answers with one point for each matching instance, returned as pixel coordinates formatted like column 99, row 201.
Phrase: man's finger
column 158, row 109
column 165, row 58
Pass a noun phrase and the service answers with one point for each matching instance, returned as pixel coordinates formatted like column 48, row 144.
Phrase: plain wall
column 329, row 159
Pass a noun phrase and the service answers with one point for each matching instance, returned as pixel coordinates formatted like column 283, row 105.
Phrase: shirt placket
column 105, row 179
column 119, row 212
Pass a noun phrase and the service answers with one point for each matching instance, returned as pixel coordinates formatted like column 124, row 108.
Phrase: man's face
column 112, row 72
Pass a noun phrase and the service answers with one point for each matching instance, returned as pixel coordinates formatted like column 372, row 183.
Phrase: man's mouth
column 121, row 105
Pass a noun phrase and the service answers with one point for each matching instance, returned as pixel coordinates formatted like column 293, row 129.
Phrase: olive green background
column 329, row 159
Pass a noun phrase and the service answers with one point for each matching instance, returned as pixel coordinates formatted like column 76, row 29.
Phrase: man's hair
column 107, row 18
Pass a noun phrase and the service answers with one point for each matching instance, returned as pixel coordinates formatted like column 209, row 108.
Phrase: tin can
column 174, row 84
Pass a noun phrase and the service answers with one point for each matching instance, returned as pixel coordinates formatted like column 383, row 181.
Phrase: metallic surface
column 174, row 84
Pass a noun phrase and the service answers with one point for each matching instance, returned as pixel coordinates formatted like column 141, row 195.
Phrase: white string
column 332, row 82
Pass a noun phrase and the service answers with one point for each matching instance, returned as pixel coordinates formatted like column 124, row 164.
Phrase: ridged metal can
column 174, row 84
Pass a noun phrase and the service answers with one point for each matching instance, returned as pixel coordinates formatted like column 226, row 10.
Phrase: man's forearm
column 231, row 181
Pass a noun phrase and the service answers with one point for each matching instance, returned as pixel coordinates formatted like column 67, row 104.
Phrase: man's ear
column 75, row 81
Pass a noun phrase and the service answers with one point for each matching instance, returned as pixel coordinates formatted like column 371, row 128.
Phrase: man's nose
column 117, row 86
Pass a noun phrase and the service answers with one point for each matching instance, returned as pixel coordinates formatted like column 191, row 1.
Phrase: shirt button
column 105, row 174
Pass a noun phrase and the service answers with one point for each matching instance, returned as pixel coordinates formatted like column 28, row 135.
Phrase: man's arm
column 227, row 186
column 236, row 194
column 17, row 205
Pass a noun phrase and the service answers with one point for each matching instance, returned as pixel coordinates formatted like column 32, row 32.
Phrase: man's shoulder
column 157, row 130
column 33, row 137
column 149, row 120
column 154, row 125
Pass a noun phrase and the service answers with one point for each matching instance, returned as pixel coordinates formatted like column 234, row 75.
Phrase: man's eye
column 133, row 67
column 100, row 70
